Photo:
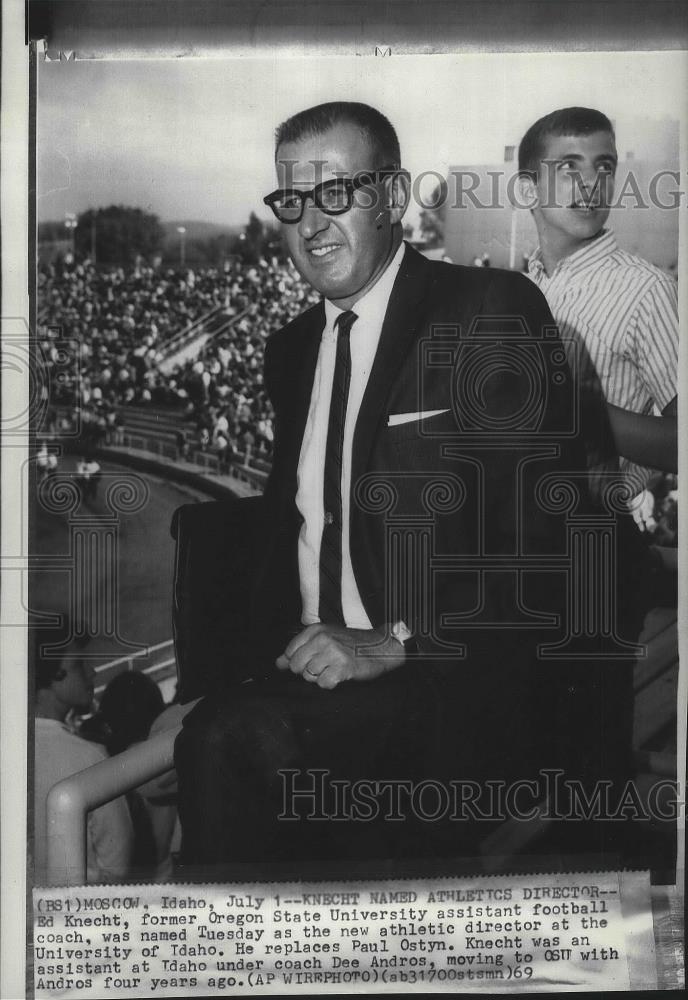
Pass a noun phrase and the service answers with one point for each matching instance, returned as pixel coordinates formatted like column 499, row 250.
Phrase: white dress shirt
column 364, row 339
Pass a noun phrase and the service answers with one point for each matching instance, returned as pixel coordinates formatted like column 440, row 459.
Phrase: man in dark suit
column 412, row 571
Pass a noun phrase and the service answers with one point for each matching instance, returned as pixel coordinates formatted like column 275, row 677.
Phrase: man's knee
column 201, row 734
column 246, row 732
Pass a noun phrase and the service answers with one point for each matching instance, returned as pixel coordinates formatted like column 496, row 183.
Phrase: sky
column 192, row 138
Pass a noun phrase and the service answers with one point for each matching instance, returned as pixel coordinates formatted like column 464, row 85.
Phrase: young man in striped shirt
column 618, row 310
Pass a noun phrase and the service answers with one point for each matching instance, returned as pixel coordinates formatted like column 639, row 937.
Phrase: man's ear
column 397, row 194
column 527, row 192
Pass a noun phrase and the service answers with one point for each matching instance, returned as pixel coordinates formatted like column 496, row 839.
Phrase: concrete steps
column 187, row 346
column 156, row 422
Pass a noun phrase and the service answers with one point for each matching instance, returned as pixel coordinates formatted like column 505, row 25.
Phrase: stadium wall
column 215, row 488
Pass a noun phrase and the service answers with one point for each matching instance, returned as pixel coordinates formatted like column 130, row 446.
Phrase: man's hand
column 326, row 655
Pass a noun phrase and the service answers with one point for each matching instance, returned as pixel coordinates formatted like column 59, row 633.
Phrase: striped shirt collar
column 580, row 260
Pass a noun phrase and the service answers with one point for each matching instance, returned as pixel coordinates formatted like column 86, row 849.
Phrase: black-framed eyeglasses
column 332, row 197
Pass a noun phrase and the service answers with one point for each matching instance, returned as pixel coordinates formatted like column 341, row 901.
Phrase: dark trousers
column 276, row 769
column 262, row 753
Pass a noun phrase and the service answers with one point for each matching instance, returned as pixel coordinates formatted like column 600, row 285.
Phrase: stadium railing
column 244, row 467
column 162, row 665
column 171, row 346
column 241, row 467
column 217, row 320
column 70, row 801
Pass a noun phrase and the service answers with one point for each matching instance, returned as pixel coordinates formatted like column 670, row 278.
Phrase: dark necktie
column 330, row 608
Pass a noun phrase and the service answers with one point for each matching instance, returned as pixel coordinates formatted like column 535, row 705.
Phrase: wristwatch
column 403, row 634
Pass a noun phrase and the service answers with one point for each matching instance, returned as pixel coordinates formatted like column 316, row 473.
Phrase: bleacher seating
column 188, row 338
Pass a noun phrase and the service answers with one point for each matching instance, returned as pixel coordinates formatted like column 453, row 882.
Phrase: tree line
column 119, row 234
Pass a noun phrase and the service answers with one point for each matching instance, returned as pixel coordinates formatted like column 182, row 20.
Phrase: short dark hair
column 129, row 705
column 377, row 129
column 565, row 121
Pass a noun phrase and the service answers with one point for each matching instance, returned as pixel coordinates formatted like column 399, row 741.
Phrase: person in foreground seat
column 64, row 683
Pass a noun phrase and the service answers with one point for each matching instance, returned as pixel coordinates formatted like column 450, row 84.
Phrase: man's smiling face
column 341, row 256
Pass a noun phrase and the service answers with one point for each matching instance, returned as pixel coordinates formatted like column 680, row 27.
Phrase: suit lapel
column 307, row 361
column 302, row 365
column 399, row 335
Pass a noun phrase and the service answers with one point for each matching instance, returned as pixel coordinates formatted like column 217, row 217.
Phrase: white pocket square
column 394, row 419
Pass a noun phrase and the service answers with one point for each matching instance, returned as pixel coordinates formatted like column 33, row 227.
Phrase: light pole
column 182, row 244
column 70, row 225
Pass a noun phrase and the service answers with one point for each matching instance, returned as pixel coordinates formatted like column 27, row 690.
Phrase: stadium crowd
column 118, row 322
